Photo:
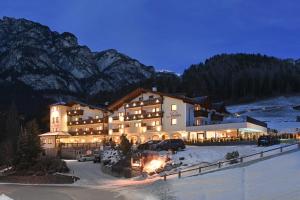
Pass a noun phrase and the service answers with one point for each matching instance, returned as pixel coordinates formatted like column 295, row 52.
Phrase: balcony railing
column 89, row 132
column 200, row 113
column 152, row 101
column 115, row 118
column 75, row 112
column 87, row 121
column 151, row 128
column 143, row 116
column 115, row 130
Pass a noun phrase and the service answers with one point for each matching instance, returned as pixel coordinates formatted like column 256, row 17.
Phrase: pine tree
column 29, row 147
column 12, row 127
column 125, row 144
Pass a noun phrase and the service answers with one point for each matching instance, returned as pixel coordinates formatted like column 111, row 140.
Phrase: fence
column 223, row 164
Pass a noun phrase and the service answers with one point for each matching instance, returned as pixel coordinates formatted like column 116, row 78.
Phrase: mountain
column 46, row 60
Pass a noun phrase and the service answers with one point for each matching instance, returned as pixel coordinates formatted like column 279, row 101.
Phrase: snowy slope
column 277, row 179
column 279, row 113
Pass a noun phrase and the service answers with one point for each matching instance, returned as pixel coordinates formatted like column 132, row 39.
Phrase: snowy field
column 193, row 155
column 278, row 112
column 277, row 178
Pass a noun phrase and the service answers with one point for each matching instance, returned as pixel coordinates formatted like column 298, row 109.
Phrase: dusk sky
column 171, row 34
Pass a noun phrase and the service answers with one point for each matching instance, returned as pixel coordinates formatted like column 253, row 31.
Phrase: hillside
column 279, row 113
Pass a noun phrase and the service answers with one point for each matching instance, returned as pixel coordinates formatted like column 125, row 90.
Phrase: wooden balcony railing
column 115, row 130
column 200, row 113
column 143, row 116
column 89, row 132
column 151, row 128
column 115, row 118
column 135, row 104
column 74, row 112
column 87, row 121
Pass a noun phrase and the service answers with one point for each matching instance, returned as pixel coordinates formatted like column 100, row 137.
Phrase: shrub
column 232, row 156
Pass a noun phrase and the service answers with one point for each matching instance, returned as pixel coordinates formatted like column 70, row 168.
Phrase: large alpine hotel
column 146, row 115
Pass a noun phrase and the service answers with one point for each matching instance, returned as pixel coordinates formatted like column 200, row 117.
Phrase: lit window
column 56, row 119
column 121, row 114
column 157, row 123
column 153, row 110
column 137, row 124
column 173, row 107
column 173, row 121
column 157, row 109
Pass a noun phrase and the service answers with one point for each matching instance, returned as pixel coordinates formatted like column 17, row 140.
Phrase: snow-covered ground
column 278, row 112
column 194, row 155
column 277, row 178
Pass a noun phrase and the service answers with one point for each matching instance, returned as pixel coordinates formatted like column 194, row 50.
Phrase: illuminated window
column 56, row 119
column 173, row 121
column 153, row 110
column 121, row 114
column 157, row 123
column 173, row 107
column 137, row 124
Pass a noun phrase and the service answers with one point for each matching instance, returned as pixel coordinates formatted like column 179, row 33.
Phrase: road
column 38, row 192
column 93, row 184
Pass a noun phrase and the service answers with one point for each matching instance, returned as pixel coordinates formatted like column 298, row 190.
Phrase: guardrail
column 222, row 164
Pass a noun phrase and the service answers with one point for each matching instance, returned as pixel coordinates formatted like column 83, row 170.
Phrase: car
column 171, row 144
column 84, row 158
column 267, row 140
column 151, row 144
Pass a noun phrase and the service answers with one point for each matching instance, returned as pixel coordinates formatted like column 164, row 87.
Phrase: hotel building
column 146, row 115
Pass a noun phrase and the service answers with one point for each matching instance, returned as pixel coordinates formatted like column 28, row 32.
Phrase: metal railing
column 227, row 163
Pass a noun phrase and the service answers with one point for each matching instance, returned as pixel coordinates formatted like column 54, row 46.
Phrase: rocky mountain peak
column 47, row 60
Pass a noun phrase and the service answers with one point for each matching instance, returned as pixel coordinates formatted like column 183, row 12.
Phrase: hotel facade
column 145, row 115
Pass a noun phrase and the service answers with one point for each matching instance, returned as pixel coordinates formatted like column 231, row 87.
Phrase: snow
column 278, row 112
column 4, row 197
column 112, row 155
column 263, row 180
column 195, row 155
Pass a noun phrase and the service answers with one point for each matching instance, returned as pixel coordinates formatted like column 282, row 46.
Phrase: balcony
column 200, row 113
column 89, row 132
column 87, row 121
column 153, row 101
column 116, row 118
column 75, row 112
column 143, row 116
column 115, row 130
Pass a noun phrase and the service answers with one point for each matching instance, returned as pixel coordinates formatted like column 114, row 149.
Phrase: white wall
column 179, row 114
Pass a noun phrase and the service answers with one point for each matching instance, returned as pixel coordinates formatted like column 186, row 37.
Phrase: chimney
column 154, row 89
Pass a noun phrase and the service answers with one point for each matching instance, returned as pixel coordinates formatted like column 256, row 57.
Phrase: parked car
column 171, row 144
column 267, row 140
column 150, row 145
column 86, row 158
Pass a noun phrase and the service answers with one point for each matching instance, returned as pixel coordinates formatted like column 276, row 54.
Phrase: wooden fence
column 223, row 164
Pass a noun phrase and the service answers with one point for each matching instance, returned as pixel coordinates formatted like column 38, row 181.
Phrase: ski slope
column 279, row 113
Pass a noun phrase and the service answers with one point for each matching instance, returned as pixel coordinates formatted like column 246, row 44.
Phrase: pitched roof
column 72, row 103
column 135, row 93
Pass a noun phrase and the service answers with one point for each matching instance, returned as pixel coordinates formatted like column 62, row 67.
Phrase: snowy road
column 22, row 192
